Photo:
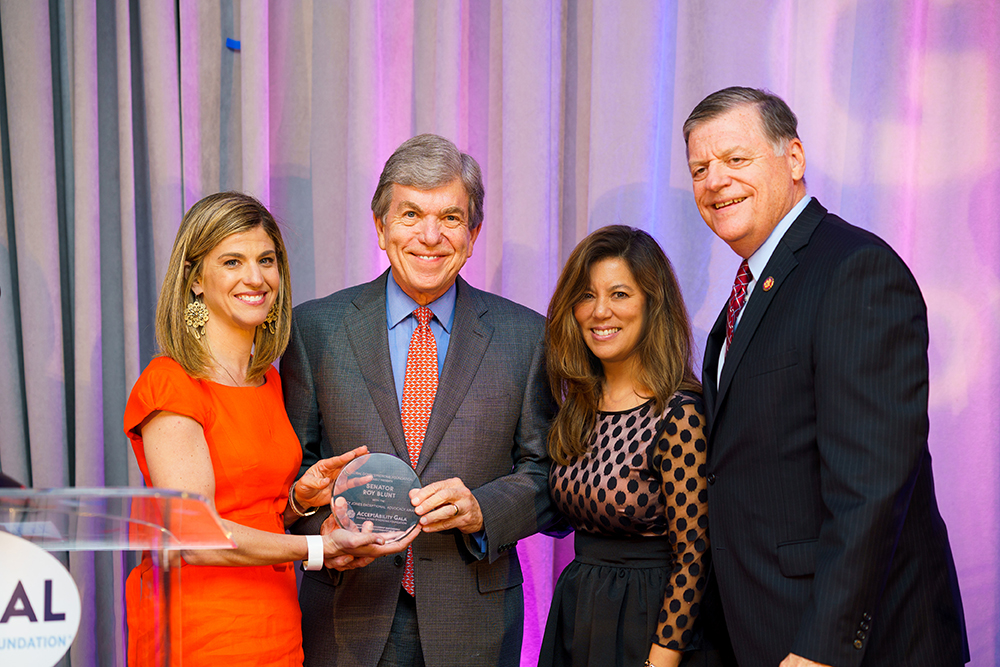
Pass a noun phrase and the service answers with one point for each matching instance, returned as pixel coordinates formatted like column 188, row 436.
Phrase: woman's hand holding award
column 375, row 489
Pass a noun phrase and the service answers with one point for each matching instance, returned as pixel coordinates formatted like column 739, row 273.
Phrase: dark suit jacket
column 487, row 427
column 826, row 536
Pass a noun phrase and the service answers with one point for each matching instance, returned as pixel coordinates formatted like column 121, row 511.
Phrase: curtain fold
column 39, row 240
column 117, row 115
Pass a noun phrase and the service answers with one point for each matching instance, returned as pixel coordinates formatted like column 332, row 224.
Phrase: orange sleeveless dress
column 231, row 616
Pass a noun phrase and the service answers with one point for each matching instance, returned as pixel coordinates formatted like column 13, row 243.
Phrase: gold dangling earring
column 272, row 317
column 196, row 316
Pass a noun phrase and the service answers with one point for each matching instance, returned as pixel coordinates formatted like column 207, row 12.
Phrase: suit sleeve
column 300, row 397
column 299, row 392
column 871, row 389
column 518, row 505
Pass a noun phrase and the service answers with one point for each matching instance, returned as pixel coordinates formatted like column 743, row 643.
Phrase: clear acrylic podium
column 160, row 521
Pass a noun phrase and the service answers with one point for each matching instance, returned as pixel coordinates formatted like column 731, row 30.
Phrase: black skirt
column 607, row 602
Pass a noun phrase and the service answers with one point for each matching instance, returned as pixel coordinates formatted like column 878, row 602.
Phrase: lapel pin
column 769, row 283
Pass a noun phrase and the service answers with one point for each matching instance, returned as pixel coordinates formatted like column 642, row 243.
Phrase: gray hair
column 776, row 118
column 425, row 162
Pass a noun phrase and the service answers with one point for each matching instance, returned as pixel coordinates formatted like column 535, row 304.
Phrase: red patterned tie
column 736, row 300
column 419, row 387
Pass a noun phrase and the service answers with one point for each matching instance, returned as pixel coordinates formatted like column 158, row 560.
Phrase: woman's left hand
column 314, row 487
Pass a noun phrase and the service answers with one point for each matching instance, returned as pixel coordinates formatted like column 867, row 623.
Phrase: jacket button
column 861, row 634
column 398, row 560
column 858, row 644
column 865, row 626
column 711, row 478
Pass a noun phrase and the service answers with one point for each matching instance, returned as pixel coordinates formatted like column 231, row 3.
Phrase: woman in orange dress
column 208, row 417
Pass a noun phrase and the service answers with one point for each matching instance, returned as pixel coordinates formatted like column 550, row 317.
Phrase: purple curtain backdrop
column 117, row 115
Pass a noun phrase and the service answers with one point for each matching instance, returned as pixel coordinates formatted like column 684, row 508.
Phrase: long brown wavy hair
column 663, row 351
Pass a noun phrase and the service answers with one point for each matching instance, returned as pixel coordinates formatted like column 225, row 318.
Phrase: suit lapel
column 710, row 365
column 470, row 337
column 368, row 336
column 779, row 266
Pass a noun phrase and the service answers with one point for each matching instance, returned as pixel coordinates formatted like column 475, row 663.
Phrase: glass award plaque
column 376, row 488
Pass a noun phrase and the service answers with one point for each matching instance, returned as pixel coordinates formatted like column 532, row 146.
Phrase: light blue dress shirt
column 758, row 262
column 399, row 317
column 399, row 309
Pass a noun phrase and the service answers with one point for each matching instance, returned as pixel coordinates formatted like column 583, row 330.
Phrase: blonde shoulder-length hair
column 206, row 225
column 663, row 350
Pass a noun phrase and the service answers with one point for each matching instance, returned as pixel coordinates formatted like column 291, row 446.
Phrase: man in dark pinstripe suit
column 827, row 544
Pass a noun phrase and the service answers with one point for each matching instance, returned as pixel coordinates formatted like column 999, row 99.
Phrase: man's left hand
column 792, row 660
column 445, row 505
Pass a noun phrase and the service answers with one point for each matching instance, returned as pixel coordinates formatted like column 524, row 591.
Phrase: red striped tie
column 736, row 300
column 419, row 387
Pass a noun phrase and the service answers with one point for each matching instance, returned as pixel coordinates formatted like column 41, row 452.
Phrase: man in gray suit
column 483, row 461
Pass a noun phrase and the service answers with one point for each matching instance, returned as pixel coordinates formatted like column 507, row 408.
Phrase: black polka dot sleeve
column 680, row 457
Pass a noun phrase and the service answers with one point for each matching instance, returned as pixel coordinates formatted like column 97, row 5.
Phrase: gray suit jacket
column 488, row 427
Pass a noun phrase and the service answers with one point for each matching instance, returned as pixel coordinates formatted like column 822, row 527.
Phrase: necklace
column 261, row 415
column 236, row 383
column 219, row 364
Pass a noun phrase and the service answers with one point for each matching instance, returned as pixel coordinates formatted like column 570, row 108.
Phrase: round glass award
column 376, row 488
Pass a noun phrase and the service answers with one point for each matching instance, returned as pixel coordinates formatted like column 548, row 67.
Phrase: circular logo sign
column 39, row 605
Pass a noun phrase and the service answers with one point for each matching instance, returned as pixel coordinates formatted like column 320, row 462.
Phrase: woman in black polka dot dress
column 629, row 455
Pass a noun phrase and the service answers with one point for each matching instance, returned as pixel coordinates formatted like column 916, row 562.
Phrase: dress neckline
column 229, row 386
column 626, row 410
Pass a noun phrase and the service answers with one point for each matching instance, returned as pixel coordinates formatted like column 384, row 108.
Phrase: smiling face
column 239, row 281
column 742, row 188
column 426, row 236
column 611, row 312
